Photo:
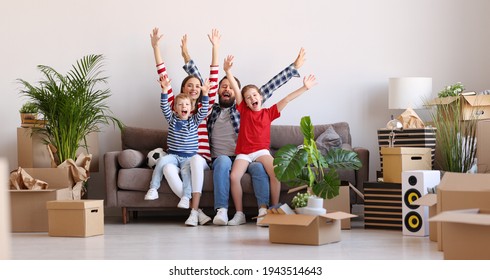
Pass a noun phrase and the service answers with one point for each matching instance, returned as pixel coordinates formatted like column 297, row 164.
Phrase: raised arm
column 164, row 103
column 189, row 66
column 215, row 39
column 308, row 82
column 234, row 85
column 284, row 76
column 161, row 69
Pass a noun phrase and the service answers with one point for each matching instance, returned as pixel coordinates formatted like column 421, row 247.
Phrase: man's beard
column 226, row 103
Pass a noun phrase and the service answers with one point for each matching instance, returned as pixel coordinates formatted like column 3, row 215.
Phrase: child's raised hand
column 309, row 81
column 300, row 59
column 228, row 63
column 183, row 48
column 164, row 82
column 214, row 37
column 155, row 37
column 205, row 87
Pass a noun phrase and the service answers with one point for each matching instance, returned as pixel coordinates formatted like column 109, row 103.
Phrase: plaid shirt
column 267, row 90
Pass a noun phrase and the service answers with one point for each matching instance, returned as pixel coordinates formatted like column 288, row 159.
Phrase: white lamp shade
column 409, row 92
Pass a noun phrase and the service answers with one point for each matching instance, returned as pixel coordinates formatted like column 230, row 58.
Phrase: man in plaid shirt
column 223, row 127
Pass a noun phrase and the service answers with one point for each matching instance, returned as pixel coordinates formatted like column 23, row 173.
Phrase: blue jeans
column 185, row 172
column 221, row 181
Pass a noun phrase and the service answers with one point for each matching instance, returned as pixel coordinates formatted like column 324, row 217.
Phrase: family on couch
column 215, row 141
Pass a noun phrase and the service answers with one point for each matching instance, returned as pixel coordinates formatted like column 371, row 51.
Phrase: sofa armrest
column 362, row 175
column 111, row 167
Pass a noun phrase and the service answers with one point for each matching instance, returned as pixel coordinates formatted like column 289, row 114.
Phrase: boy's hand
column 214, row 37
column 205, row 87
column 164, row 83
column 155, row 38
column 300, row 59
column 183, row 47
column 228, row 63
column 309, row 81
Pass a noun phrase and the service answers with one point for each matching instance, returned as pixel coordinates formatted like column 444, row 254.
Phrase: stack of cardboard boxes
column 29, row 211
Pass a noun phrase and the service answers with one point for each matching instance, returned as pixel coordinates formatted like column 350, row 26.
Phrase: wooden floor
column 167, row 238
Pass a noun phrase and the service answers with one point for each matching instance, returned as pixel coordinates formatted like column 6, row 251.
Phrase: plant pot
column 28, row 117
column 314, row 207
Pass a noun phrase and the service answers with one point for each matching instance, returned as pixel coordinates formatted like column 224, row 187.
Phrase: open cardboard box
column 466, row 234
column 305, row 229
column 473, row 106
column 342, row 203
column 429, row 200
column 458, row 191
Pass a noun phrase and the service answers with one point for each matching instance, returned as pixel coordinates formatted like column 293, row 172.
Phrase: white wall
column 352, row 46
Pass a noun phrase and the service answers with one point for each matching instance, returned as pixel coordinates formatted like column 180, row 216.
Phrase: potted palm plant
column 73, row 105
column 28, row 112
column 455, row 134
column 306, row 166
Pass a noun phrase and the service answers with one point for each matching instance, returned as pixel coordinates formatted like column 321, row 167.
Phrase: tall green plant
column 455, row 139
column 73, row 104
column 305, row 165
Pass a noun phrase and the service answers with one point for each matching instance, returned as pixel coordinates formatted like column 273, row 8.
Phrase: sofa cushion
column 130, row 158
column 328, row 140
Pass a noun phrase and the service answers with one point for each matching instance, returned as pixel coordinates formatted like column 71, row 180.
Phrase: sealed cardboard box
column 458, row 191
column 399, row 159
column 28, row 208
column 466, row 234
column 32, row 152
column 305, row 229
column 76, row 218
column 483, row 146
column 472, row 105
column 429, row 200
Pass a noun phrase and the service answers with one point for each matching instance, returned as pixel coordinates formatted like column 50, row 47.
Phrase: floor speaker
column 415, row 184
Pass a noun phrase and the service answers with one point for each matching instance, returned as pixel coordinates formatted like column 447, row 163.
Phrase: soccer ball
column 153, row 156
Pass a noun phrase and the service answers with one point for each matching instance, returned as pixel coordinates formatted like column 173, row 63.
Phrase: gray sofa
column 127, row 177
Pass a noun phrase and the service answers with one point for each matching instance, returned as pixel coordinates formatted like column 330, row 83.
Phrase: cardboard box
column 57, row 178
column 342, row 203
column 466, row 234
column 429, row 200
column 458, row 191
column 473, row 106
column 76, row 218
column 32, row 152
column 399, row 159
column 305, row 229
column 28, row 208
column 483, row 146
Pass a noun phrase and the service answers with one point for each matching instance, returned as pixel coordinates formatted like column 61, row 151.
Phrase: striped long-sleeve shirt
column 182, row 137
column 202, row 133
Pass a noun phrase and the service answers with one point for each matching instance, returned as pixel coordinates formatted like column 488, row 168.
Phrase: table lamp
column 407, row 93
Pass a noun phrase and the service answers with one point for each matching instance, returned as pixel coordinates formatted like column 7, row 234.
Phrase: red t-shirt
column 255, row 128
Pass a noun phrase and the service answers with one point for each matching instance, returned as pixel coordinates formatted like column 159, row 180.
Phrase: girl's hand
column 214, row 37
column 155, row 38
column 228, row 63
column 164, row 83
column 309, row 81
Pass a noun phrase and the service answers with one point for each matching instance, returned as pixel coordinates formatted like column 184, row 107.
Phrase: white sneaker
column 152, row 194
column 183, row 203
column 193, row 218
column 262, row 212
column 221, row 218
column 203, row 218
column 238, row 219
